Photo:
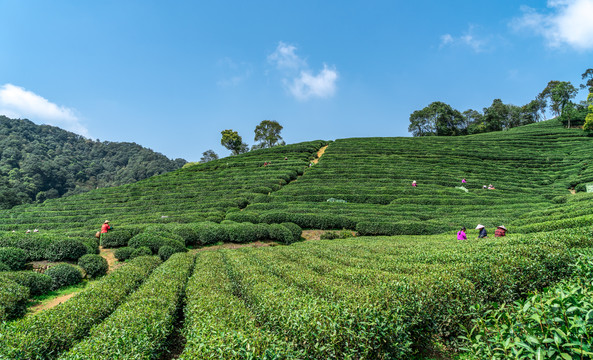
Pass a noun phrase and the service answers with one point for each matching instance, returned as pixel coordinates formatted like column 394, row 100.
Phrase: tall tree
column 438, row 119
column 232, row 141
column 268, row 134
column 588, row 74
column 208, row 155
column 560, row 94
column 588, row 126
column 496, row 116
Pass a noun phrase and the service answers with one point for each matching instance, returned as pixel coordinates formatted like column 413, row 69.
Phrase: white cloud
column 298, row 78
column 307, row 85
column 284, row 57
column 16, row 102
column 470, row 38
column 446, row 39
column 570, row 22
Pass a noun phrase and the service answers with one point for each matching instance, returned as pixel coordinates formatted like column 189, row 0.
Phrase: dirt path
column 319, row 153
column 236, row 246
column 51, row 303
column 111, row 260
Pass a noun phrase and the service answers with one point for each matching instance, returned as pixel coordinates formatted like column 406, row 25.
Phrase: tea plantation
column 403, row 288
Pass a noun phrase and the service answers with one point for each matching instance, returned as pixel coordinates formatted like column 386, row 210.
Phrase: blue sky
column 171, row 75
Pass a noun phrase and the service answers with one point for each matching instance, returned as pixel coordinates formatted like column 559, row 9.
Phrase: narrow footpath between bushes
column 319, row 154
column 48, row 304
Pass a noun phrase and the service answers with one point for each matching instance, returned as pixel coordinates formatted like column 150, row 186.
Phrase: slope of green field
column 193, row 194
column 363, row 298
column 531, row 168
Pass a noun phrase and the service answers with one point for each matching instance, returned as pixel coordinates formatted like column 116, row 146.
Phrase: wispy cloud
column 568, row 22
column 234, row 73
column 322, row 85
column 16, row 102
column 469, row 39
column 299, row 79
column 284, row 57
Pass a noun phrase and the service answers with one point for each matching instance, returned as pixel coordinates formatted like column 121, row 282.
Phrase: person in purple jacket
column 461, row 234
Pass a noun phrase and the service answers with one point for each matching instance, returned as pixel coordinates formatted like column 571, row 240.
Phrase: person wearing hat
column 461, row 234
column 500, row 231
column 482, row 233
column 414, row 183
column 105, row 227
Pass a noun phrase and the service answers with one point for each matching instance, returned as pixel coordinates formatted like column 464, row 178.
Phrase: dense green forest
column 39, row 162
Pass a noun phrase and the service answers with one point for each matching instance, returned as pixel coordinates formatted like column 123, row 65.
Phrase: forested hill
column 39, row 162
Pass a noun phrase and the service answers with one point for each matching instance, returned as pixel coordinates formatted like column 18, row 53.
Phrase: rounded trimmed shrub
column 15, row 258
column 94, row 265
column 116, row 238
column 155, row 240
column 166, row 251
column 65, row 249
column 36, row 282
column 123, row 253
column 141, row 251
column 63, row 275
column 188, row 233
column 281, row 234
column 13, row 300
column 4, row 267
column 294, row 229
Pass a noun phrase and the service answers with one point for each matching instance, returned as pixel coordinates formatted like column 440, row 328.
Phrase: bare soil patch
column 51, row 303
column 111, row 260
column 319, row 154
column 237, row 246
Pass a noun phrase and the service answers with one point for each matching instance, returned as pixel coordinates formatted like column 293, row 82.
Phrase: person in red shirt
column 105, row 227
column 500, row 231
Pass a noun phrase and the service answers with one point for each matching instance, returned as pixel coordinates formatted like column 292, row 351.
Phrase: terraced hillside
column 198, row 193
column 531, row 168
column 381, row 297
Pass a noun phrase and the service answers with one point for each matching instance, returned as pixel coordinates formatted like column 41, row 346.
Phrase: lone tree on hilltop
column 268, row 134
column 208, row 155
column 232, row 141
column 438, row 119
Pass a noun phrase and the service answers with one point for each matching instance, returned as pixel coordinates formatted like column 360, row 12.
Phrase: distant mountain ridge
column 39, row 162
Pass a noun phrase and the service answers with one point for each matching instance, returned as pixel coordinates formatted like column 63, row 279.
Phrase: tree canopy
column 208, row 155
column 268, row 134
column 233, row 141
column 39, row 162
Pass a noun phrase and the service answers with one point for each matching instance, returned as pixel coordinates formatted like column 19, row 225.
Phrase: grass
column 44, row 298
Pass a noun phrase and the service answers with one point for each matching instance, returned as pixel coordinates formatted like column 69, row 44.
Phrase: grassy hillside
column 369, row 179
column 371, row 297
column 531, row 167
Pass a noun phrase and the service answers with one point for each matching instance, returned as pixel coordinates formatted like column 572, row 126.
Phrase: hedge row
column 13, row 300
column 53, row 247
column 219, row 325
column 555, row 323
column 139, row 327
column 53, row 331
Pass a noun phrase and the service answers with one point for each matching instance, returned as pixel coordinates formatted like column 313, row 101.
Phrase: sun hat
column 106, row 221
column 480, row 226
column 501, row 227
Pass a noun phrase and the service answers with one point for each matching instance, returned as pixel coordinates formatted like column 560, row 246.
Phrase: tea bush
column 14, row 258
column 54, row 331
column 123, row 253
column 140, row 251
column 36, row 283
column 116, row 238
column 13, row 300
column 554, row 324
column 65, row 249
column 63, row 275
column 94, row 265
column 140, row 327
